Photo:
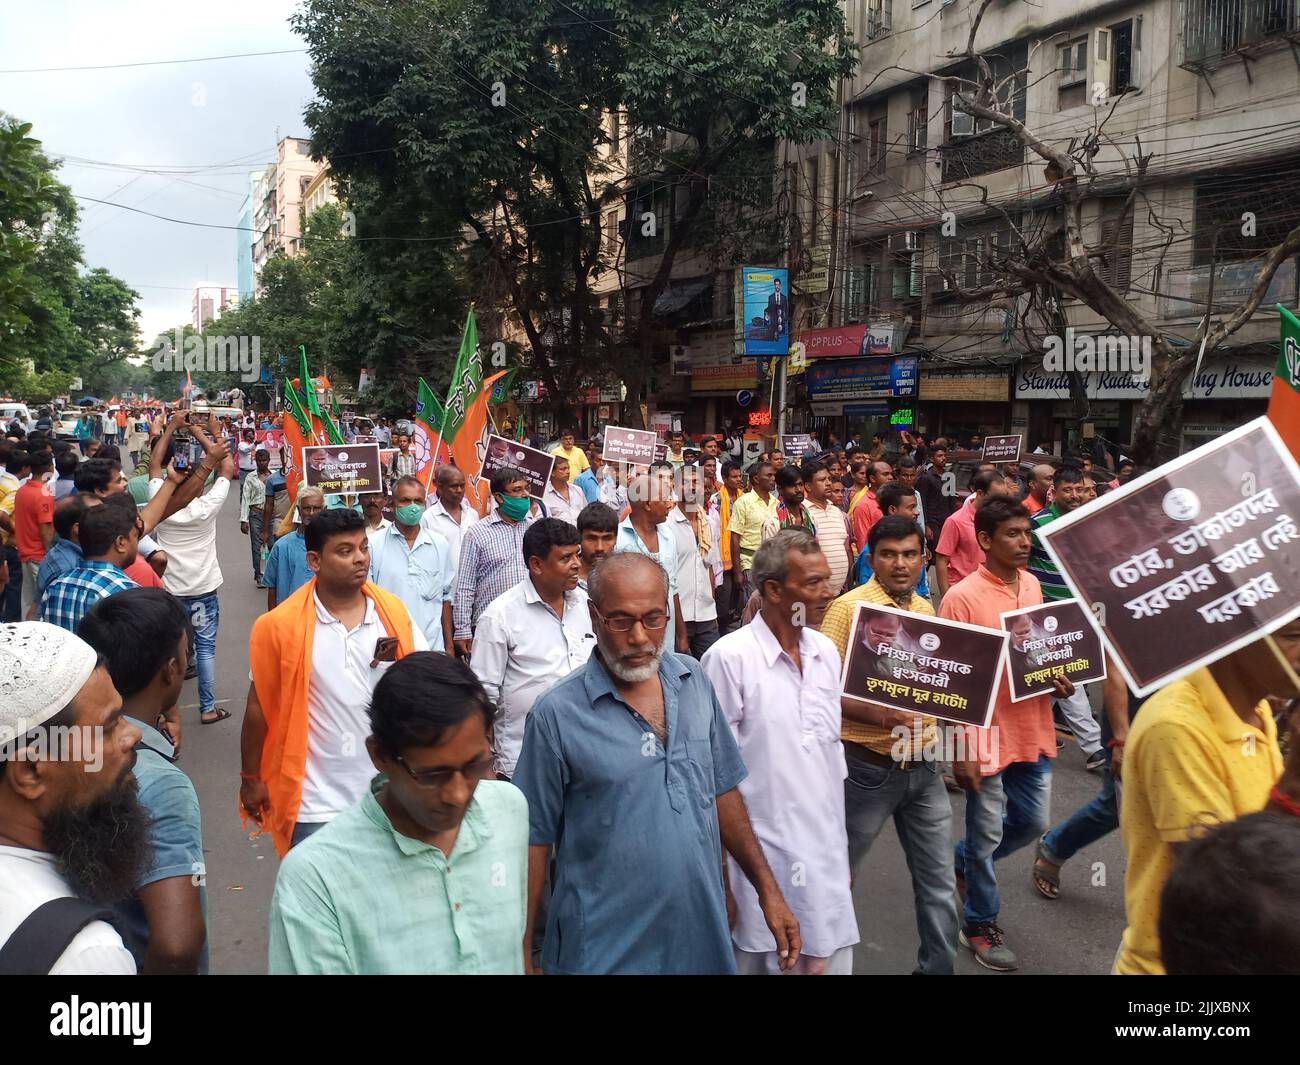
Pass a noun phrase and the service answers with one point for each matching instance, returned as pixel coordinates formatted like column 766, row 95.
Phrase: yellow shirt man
column 837, row 624
column 747, row 516
column 576, row 456
column 1190, row 761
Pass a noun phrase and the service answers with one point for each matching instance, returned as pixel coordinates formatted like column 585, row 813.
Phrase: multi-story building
column 208, row 303
column 930, row 199
column 319, row 192
column 278, row 199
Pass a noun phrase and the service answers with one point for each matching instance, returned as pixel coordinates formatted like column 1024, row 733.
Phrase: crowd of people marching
column 599, row 730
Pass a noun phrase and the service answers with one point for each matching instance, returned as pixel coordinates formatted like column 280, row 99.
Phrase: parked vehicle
column 9, row 411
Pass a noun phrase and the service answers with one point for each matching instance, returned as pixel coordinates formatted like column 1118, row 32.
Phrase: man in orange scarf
column 316, row 659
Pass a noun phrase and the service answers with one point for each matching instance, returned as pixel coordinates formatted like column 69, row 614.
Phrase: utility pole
column 782, row 360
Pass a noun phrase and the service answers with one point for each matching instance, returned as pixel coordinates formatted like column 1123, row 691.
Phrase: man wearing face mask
column 415, row 564
column 71, row 824
column 491, row 555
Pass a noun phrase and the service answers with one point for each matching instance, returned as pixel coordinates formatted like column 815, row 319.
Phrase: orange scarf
column 858, row 495
column 280, row 652
column 724, row 526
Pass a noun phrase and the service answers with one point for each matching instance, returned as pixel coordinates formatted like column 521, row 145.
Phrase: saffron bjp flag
column 428, row 428
column 1284, row 402
column 469, row 449
column 298, row 434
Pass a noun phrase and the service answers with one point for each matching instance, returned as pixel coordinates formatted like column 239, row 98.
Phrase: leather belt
column 888, row 761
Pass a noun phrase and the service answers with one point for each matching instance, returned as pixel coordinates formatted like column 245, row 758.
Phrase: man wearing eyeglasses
column 427, row 873
column 631, row 772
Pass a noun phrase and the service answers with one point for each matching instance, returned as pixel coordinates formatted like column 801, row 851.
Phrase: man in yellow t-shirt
column 569, row 449
column 893, row 764
column 748, row 514
column 1203, row 750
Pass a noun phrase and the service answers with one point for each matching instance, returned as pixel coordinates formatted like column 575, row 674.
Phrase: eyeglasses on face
column 653, row 621
column 440, row 778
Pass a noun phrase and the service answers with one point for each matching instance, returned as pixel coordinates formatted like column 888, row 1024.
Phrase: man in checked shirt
column 491, row 555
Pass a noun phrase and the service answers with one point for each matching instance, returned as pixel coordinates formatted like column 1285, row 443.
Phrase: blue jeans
column 1087, row 824
column 918, row 802
column 205, row 612
column 304, row 829
column 1010, row 810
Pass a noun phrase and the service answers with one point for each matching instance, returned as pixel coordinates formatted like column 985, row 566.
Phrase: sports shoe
column 985, row 942
column 1095, row 760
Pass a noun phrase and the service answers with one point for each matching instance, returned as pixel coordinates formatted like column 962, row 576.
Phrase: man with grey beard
column 71, row 824
column 631, row 774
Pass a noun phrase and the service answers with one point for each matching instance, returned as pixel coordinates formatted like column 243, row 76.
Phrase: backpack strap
column 38, row 943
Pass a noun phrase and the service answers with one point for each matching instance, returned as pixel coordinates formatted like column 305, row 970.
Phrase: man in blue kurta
column 631, row 774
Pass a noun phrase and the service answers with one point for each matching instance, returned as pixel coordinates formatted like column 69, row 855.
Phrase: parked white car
column 8, row 411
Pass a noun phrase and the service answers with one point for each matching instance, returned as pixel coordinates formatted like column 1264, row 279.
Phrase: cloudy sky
column 202, row 125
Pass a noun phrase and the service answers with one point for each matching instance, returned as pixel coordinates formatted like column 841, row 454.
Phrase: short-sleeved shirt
column 1190, row 761
column 1024, row 729
column 577, row 458
column 62, row 557
column 360, row 898
column 628, row 539
column 33, row 507
column 175, row 835
column 833, row 535
column 638, row 884
column 958, row 543
column 1040, row 562
column 748, row 513
column 286, row 567
column 67, row 599
column 421, row 575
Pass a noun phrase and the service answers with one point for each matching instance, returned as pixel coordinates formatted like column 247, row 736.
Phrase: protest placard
column 798, row 445
column 343, row 469
column 510, row 454
column 630, row 445
column 1002, row 449
column 923, row 665
column 1191, row 561
column 1047, row 640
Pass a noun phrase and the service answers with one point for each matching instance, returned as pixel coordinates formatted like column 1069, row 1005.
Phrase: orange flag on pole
column 469, row 448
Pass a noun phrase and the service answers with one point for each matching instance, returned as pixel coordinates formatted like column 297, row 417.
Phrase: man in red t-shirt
column 34, row 524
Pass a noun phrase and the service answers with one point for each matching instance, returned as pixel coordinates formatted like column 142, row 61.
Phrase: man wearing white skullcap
column 71, row 824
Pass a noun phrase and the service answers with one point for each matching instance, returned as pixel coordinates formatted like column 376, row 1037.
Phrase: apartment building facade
column 278, row 198
column 928, row 199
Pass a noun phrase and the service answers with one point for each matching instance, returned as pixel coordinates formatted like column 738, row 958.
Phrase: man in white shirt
column 446, row 514
column 415, row 565
column 692, row 541
column 778, row 682
column 561, row 499
column 71, row 823
column 533, row 635
column 356, row 630
column 193, row 575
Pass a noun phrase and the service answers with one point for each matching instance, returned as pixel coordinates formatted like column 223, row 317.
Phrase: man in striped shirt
column 831, row 523
column 491, row 555
column 109, row 536
column 1070, row 490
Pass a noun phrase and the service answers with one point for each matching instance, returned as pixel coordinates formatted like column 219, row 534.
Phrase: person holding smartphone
column 303, row 745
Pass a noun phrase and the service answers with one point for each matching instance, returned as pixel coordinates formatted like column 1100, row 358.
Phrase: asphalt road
column 1078, row 933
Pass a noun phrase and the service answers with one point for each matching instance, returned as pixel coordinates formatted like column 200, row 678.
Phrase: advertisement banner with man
column 343, row 469
column 1047, row 640
column 923, row 665
column 767, row 310
column 1191, row 561
column 503, row 454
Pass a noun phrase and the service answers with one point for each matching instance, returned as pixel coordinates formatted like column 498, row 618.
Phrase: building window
column 1225, row 204
column 611, row 228
column 860, row 299
column 879, row 16
column 918, row 119
column 876, row 145
column 1125, row 56
column 1213, row 29
column 1072, row 71
column 1116, row 267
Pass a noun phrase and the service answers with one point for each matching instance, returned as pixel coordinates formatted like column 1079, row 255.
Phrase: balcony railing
column 1216, row 29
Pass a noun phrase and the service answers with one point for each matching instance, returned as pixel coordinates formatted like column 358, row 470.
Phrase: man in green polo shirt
column 428, row 873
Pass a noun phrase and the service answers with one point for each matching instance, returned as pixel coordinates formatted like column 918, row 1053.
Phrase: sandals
column 1046, row 882
column 222, row 715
